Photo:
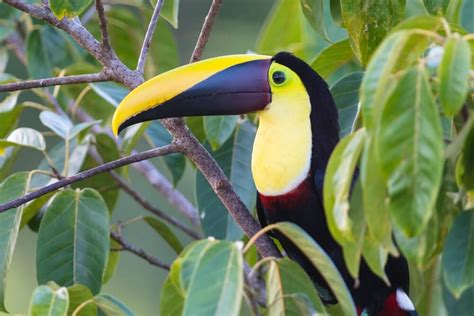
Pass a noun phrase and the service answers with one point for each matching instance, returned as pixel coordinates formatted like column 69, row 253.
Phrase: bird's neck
column 281, row 157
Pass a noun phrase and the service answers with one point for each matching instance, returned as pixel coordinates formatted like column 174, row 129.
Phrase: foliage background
column 238, row 28
column 137, row 283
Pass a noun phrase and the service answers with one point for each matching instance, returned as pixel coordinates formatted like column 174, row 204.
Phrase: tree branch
column 138, row 251
column 155, row 178
column 103, row 26
column 149, row 36
column 47, row 82
column 168, row 149
column 144, row 203
column 206, row 30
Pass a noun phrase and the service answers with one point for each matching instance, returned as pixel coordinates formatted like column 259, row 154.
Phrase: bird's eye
column 278, row 77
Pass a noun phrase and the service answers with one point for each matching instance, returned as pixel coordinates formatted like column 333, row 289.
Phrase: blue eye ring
column 278, row 77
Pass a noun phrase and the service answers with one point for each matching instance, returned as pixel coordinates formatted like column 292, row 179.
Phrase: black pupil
column 278, row 77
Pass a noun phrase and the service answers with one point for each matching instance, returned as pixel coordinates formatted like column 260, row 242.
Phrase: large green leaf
column 39, row 63
column 219, row 128
column 282, row 29
column 396, row 52
column 332, row 58
column 313, row 11
column 165, row 232
column 320, row 261
column 289, row 288
column 338, row 184
column 458, row 256
column 48, row 302
column 375, row 196
column 13, row 187
column 234, row 158
column 73, row 240
column 68, row 8
column 409, row 147
column 463, row 306
column 454, row 74
column 206, row 279
column 346, row 96
column 26, row 137
column 367, row 24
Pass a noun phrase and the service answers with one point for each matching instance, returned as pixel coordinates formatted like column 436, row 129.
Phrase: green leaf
column 335, row 6
column 375, row 256
column 463, row 306
column 13, row 187
column 338, row 183
column 48, row 302
column 79, row 294
column 59, row 124
column 112, row 261
column 159, row 136
column 3, row 59
column 436, row 7
column 454, row 74
column 10, row 112
column 219, row 128
column 206, row 279
column 39, row 63
column 234, row 157
column 282, row 29
column 196, row 125
column 367, row 24
column 454, row 10
column 458, row 256
column 346, row 96
column 104, row 183
column 375, row 196
column 169, row 11
column 111, row 306
column 73, row 240
column 285, row 280
column 26, row 137
column 313, row 11
column 110, row 92
column 320, row 261
column 79, row 128
column 466, row 161
column 68, row 8
column 396, row 52
column 410, row 150
column 332, row 58
column 165, row 232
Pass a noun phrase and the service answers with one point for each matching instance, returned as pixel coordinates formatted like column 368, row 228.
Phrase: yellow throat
column 281, row 156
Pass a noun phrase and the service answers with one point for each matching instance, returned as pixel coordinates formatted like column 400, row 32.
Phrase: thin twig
column 206, row 30
column 48, row 82
column 138, row 251
column 154, row 177
column 149, row 36
column 103, row 26
column 168, row 149
column 143, row 202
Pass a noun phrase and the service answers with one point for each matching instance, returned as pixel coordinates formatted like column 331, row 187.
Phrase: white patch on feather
column 404, row 301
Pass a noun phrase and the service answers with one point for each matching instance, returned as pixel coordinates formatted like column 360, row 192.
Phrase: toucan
column 298, row 129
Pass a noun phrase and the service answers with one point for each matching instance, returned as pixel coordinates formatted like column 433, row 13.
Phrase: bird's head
column 235, row 84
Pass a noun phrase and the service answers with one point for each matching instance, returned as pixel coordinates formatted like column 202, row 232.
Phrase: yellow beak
column 232, row 84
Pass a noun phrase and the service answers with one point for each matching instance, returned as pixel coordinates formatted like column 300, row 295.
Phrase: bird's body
column 298, row 130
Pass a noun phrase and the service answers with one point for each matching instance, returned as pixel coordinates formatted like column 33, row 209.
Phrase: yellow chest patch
column 281, row 155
